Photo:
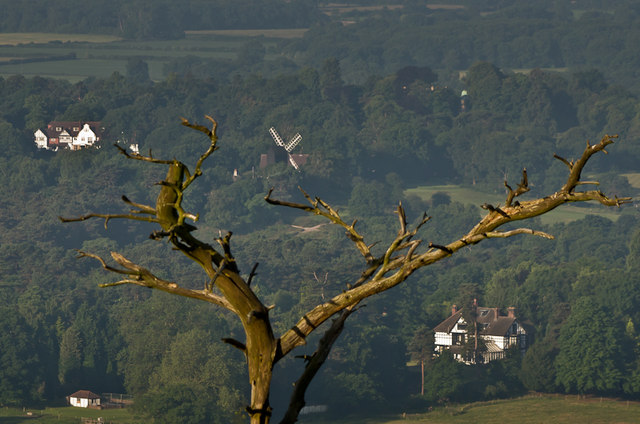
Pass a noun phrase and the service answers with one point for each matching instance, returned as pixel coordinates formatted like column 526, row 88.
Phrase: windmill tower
column 288, row 147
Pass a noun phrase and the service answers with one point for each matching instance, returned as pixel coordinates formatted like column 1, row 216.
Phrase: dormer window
column 76, row 128
column 58, row 129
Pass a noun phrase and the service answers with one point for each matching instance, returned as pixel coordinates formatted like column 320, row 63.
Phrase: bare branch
column 107, row 217
column 440, row 247
column 213, row 136
column 523, row 187
column 318, row 207
column 140, row 157
column 590, row 150
column 395, row 270
column 141, row 208
column 505, row 234
column 143, row 277
column 563, row 160
column 496, row 209
column 236, row 344
column 252, row 274
column 313, row 363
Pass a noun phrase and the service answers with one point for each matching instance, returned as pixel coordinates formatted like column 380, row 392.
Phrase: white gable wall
column 41, row 139
column 86, row 137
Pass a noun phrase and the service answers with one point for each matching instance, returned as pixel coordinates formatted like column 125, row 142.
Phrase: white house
column 68, row 135
column 85, row 138
column 84, row 399
column 497, row 332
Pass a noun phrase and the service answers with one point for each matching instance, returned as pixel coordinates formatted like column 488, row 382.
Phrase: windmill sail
column 288, row 147
column 293, row 143
column 276, row 137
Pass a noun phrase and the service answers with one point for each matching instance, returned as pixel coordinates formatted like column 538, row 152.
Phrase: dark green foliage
column 591, row 357
column 366, row 144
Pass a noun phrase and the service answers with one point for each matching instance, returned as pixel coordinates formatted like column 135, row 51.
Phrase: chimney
column 454, row 309
column 496, row 312
column 511, row 311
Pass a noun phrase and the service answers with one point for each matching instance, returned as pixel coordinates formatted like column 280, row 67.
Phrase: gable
column 447, row 325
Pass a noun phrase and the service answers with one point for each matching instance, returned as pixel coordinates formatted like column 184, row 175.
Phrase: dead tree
column 226, row 287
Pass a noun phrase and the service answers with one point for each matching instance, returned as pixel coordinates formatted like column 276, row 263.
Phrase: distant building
column 68, row 135
column 497, row 332
column 84, row 399
column 275, row 155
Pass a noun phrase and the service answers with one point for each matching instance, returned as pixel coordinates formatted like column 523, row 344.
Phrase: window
column 484, row 312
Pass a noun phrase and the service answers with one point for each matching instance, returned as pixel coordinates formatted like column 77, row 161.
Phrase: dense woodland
column 367, row 142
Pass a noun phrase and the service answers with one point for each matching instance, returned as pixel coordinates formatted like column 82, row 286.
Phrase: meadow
column 530, row 409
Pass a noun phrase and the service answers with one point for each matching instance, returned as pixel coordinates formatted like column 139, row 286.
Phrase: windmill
column 288, row 147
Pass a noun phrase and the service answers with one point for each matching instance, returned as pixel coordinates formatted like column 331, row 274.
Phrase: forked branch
column 397, row 269
column 141, row 276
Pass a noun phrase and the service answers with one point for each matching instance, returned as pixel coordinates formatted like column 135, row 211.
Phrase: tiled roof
column 69, row 126
column 85, row 394
column 447, row 325
column 494, row 323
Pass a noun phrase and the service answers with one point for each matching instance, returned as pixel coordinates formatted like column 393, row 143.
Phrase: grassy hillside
column 533, row 409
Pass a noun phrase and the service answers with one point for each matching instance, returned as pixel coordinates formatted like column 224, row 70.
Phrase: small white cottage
column 84, row 399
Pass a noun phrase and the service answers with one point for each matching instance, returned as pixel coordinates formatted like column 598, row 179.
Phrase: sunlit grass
column 633, row 178
column 533, row 409
column 64, row 415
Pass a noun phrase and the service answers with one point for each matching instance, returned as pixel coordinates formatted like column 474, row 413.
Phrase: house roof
column 447, row 325
column 494, row 324
column 68, row 126
column 85, row 394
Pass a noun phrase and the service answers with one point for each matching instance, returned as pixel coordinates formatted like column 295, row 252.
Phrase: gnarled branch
column 143, row 277
column 398, row 269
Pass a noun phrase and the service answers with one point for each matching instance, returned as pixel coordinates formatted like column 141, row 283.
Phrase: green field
column 101, row 55
column 531, row 409
column 65, row 415
column 15, row 38
column 565, row 213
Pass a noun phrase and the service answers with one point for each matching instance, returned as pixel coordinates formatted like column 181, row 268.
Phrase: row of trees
column 511, row 34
